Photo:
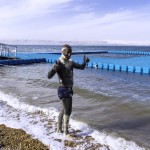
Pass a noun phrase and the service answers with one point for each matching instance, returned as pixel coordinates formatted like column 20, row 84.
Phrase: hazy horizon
column 76, row 20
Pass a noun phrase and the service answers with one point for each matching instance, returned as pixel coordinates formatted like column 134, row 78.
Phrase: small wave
column 16, row 114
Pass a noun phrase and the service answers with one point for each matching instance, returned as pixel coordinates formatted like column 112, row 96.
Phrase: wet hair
column 66, row 48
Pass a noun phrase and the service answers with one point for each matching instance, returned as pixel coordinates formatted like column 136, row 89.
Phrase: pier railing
column 8, row 51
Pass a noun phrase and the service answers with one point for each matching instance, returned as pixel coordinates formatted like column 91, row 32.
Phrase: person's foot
column 66, row 133
column 59, row 131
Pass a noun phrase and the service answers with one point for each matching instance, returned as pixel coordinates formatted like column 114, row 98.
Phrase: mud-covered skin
column 65, row 71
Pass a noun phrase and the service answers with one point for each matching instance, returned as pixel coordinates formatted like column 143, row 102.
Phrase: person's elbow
column 83, row 66
column 49, row 76
column 51, row 73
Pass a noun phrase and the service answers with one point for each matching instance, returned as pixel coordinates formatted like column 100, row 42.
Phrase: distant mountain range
column 80, row 43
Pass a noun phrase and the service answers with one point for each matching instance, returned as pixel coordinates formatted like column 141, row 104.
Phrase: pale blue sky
column 76, row 20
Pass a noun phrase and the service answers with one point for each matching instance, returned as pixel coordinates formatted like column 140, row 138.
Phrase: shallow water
column 111, row 102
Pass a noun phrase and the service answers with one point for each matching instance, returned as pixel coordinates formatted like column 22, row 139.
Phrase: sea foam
column 41, row 124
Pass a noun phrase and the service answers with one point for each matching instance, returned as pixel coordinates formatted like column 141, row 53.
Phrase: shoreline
column 18, row 139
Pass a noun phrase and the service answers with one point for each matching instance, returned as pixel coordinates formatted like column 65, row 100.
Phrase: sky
column 76, row 20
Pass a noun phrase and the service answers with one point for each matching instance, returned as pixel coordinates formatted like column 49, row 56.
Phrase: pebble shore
column 18, row 139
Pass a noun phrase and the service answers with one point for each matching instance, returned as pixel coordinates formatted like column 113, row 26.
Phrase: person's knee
column 67, row 105
column 67, row 112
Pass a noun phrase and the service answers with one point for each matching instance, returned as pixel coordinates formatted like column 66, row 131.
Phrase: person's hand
column 56, row 66
column 86, row 59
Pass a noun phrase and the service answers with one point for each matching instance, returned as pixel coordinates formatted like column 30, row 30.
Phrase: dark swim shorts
column 64, row 92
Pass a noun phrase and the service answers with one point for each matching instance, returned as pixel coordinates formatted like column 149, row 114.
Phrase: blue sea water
column 112, row 106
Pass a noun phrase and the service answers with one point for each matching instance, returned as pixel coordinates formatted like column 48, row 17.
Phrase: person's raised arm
column 81, row 66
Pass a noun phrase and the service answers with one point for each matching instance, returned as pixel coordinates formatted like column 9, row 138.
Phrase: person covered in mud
column 64, row 68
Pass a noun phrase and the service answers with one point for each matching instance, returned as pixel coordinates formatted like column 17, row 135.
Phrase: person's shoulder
column 59, row 61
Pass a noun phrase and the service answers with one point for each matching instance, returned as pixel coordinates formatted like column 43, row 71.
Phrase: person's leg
column 67, row 105
column 60, row 119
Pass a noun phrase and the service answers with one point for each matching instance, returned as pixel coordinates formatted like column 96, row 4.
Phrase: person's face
column 67, row 54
